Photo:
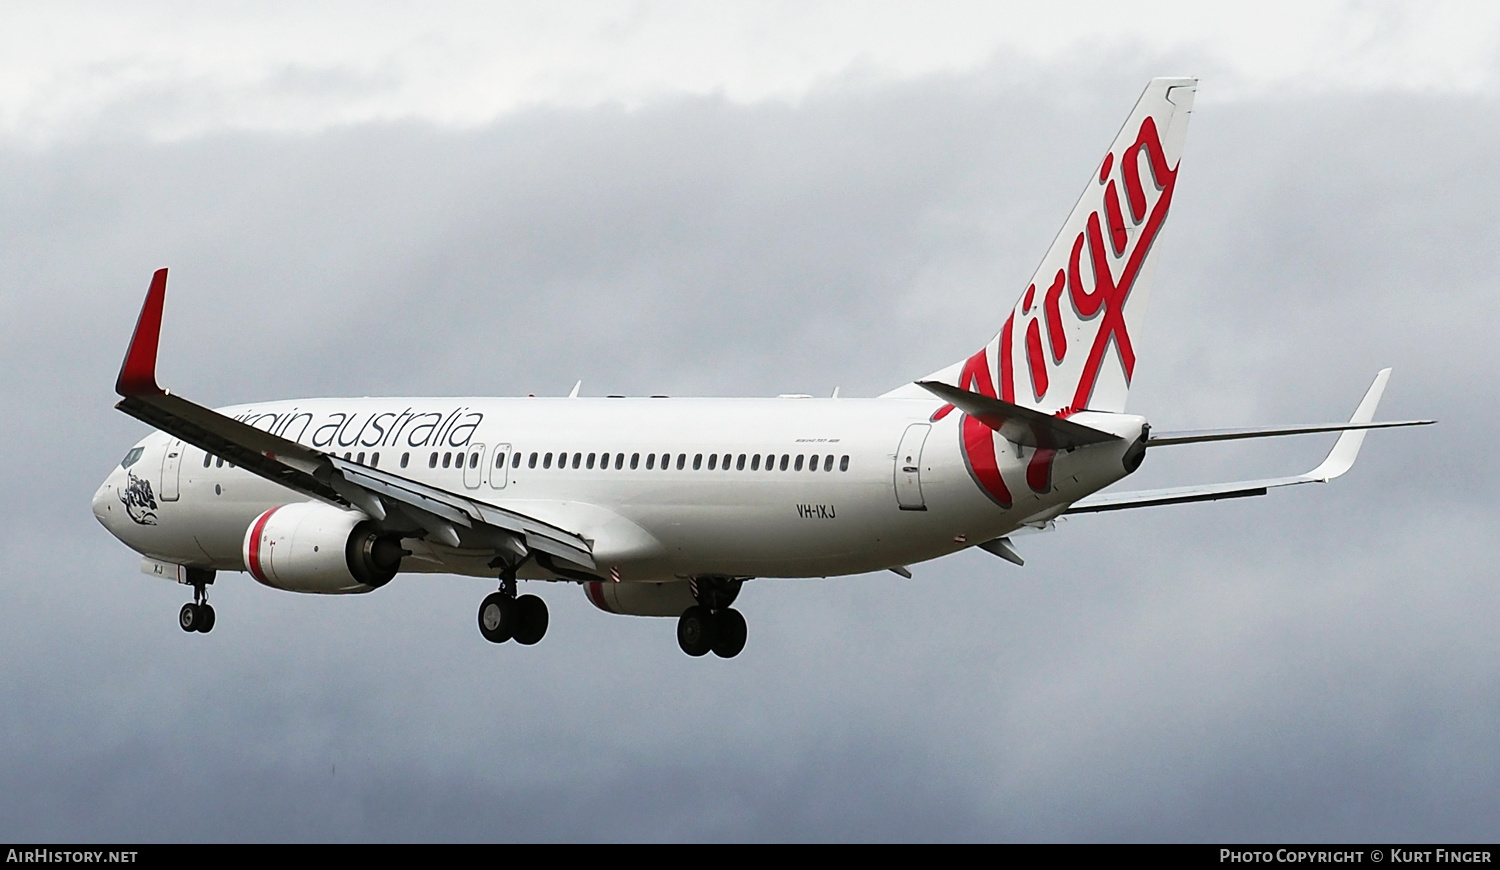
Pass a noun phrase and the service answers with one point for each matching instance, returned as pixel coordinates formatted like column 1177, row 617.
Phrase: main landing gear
column 711, row 624
column 503, row 616
column 198, row 614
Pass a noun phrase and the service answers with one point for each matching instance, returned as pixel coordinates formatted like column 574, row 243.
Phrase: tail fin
column 1066, row 345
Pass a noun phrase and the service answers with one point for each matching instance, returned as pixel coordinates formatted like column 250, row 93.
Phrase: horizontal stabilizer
column 1017, row 424
column 1200, row 436
column 1339, row 460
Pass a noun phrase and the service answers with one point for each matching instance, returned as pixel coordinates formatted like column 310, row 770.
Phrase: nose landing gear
column 197, row 615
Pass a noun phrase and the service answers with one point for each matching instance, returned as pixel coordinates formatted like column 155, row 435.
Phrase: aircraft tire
column 497, row 617
column 729, row 633
column 188, row 617
column 532, row 622
column 695, row 631
column 205, row 618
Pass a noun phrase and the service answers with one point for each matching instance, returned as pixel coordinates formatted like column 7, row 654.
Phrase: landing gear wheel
column 729, row 633
column 695, row 630
column 497, row 617
column 532, row 622
column 205, row 618
column 189, row 617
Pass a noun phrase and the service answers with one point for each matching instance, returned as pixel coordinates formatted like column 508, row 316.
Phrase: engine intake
column 317, row 548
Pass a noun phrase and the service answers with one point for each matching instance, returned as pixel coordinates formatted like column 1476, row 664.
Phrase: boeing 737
column 665, row 507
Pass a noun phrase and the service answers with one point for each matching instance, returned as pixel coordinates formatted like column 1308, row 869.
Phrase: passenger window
column 798, row 466
column 650, row 461
column 207, row 459
column 755, row 462
column 739, row 464
column 474, row 459
column 532, row 462
column 785, row 458
column 361, row 458
column 347, row 455
column 620, row 461
column 516, row 462
column 547, row 461
column 218, row 462
column 405, row 458
column 432, row 460
column 681, row 461
column 713, row 461
column 589, row 464
column 375, row 459
column 447, row 459
column 828, row 462
column 499, row 459
column 844, row 463
column 698, row 462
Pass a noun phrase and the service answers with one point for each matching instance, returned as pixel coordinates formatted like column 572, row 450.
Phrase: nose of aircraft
column 105, row 502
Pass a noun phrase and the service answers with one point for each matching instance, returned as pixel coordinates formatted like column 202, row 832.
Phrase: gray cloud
column 1317, row 664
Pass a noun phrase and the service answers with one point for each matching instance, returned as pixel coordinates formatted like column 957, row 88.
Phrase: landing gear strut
column 711, row 624
column 503, row 616
column 198, row 614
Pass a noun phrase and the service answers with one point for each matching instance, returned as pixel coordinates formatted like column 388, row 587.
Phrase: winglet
column 138, row 372
column 1346, row 449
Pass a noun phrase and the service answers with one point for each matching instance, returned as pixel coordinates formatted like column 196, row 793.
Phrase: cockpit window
column 132, row 456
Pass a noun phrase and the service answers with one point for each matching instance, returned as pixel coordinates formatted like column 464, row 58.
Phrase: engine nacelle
column 314, row 547
column 641, row 599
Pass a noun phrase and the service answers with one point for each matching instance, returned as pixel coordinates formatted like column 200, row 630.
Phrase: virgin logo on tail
column 1066, row 345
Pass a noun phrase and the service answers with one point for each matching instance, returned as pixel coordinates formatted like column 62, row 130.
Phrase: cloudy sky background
column 720, row 199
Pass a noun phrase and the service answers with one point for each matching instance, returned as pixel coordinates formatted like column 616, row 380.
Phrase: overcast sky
column 724, row 199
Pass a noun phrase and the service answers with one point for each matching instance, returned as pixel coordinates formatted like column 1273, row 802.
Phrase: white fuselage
column 661, row 488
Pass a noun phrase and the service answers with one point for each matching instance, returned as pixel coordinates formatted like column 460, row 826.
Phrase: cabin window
column 532, row 462
column 499, row 459
column 432, row 460
column 828, row 462
column 447, row 459
column 844, row 463
column 755, row 462
column 713, row 461
column 650, row 461
column 785, row 458
column 474, row 459
column 798, row 465
column 132, row 456
column 619, row 461
column 739, row 464
column 635, row 460
column 360, row 458
column 589, row 463
column 547, row 461
column 577, row 459
column 516, row 462
column 698, row 462
column 405, row 458
column 375, row 459
column 681, row 461
column 206, row 460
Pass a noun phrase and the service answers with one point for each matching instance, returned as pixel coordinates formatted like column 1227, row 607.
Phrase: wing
column 1339, row 460
column 392, row 501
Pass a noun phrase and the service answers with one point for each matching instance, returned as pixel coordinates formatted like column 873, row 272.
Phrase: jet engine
column 641, row 599
column 318, row 548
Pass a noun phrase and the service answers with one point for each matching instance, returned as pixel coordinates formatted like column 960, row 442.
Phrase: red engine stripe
column 253, row 556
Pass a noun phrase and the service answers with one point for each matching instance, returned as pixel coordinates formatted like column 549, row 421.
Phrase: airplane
column 664, row 507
